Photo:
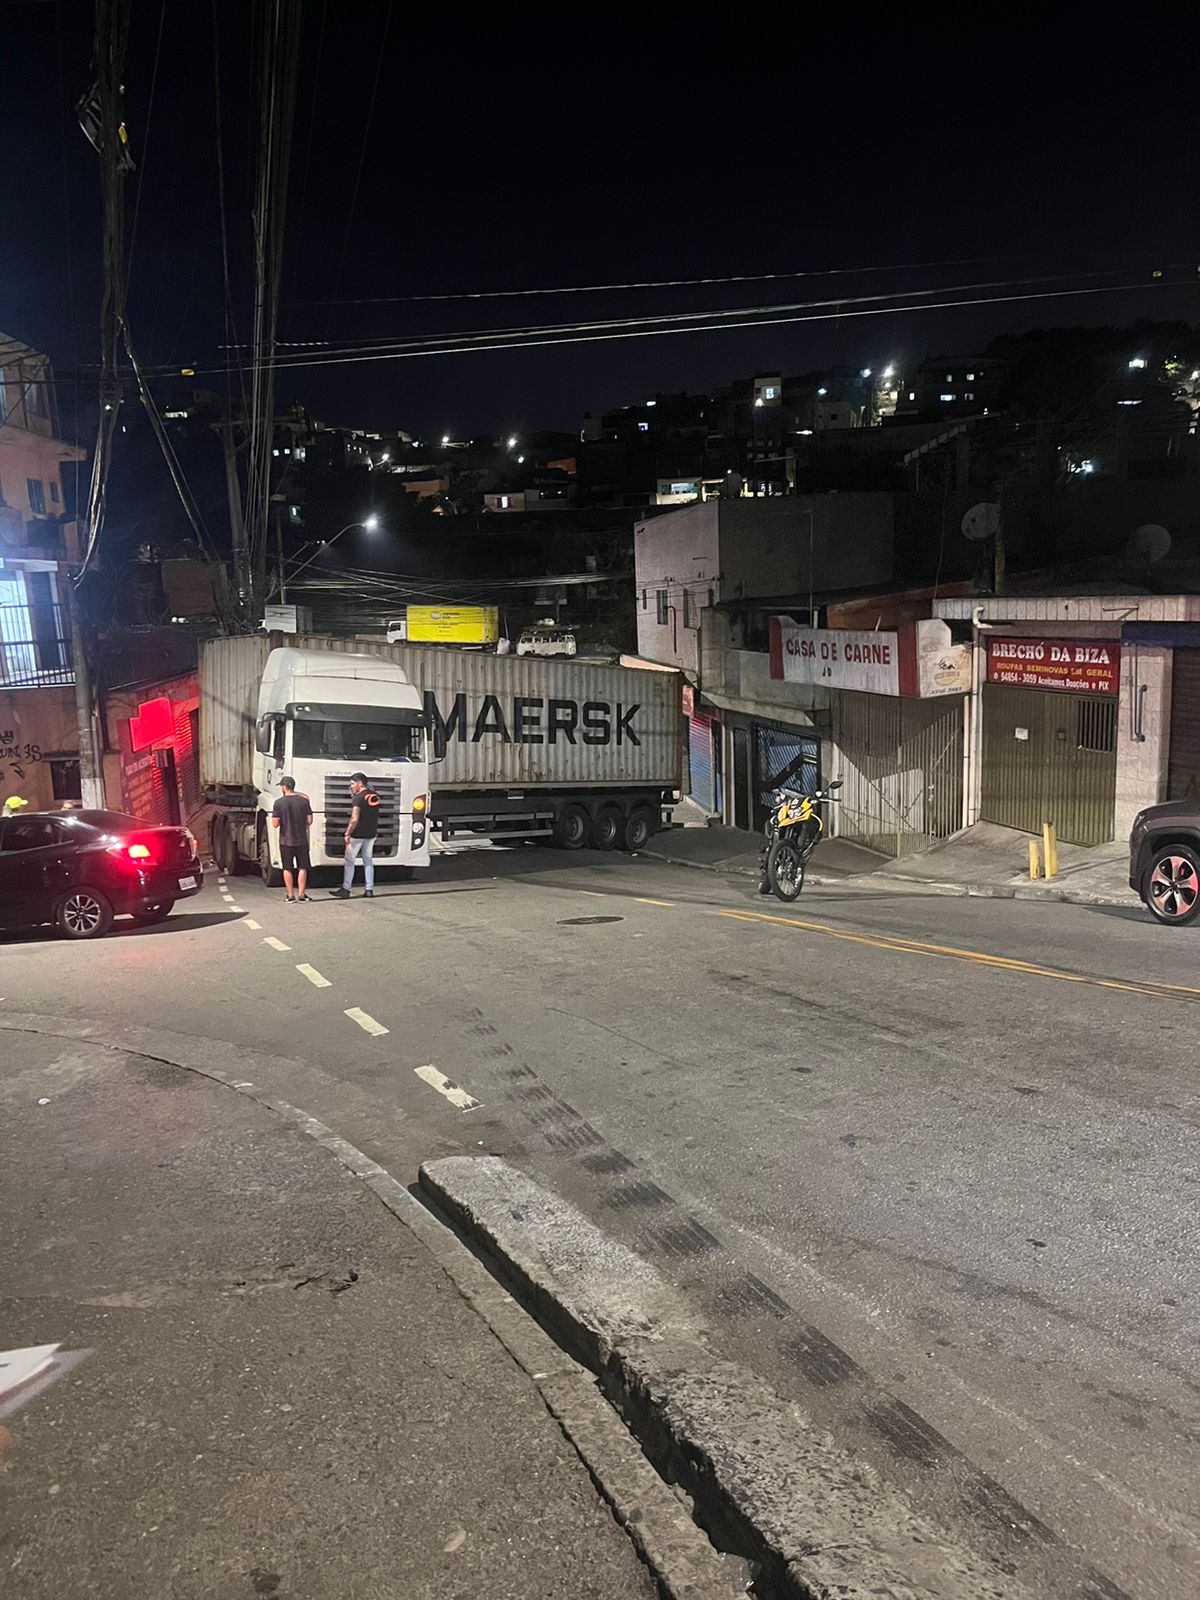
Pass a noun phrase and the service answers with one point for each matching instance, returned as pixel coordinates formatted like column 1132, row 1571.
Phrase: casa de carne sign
column 839, row 658
column 1079, row 665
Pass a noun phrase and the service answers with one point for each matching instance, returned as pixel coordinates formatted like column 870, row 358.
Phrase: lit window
column 643, row 427
column 945, row 397
column 769, row 393
column 949, row 377
column 970, row 377
column 968, row 396
column 912, row 394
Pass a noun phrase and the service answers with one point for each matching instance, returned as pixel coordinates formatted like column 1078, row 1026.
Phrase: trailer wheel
column 638, row 829
column 272, row 877
column 570, row 828
column 605, row 830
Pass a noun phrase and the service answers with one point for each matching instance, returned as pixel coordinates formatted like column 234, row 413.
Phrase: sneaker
column 291, row 899
column 304, row 897
column 368, row 894
column 340, row 894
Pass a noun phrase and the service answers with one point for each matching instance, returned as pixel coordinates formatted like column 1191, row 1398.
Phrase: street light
column 370, row 524
column 512, row 441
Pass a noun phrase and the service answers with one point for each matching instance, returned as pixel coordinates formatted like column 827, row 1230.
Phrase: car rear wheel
column 158, row 913
column 605, row 830
column 83, row 914
column 637, row 829
column 1171, row 888
column 571, row 828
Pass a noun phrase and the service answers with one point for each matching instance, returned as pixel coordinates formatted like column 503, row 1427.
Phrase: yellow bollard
column 1050, row 849
column 1033, row 859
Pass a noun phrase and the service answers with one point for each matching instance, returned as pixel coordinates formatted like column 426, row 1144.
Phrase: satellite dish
column 982, row 521
column 1147, row 544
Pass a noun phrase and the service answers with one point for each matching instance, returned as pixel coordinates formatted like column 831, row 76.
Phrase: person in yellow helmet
column 12, row 805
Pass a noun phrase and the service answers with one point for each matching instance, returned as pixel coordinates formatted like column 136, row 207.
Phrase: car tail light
column 134, row 854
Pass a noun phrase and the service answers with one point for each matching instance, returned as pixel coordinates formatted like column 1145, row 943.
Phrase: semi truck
column 454, row 742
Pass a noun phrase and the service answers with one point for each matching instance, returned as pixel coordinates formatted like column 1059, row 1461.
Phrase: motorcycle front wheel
column 785, row 870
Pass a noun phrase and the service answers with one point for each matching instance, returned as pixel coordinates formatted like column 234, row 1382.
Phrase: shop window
column 1096, row 725
column 64, row 775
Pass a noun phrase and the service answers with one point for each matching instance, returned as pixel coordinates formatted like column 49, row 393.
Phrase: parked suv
column 1164, row 860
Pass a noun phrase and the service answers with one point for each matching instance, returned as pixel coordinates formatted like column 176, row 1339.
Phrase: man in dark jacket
column 360, row 836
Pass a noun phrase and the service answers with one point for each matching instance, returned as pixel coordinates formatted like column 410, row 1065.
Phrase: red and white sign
column 1079, row 665
column 837, row 658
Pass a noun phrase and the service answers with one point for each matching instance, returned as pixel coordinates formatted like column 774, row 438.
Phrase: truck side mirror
column 262, row 735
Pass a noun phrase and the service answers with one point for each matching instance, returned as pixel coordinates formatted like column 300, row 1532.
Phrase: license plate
column 187, row 883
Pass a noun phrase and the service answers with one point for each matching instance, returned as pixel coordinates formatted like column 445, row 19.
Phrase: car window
column 31, row 833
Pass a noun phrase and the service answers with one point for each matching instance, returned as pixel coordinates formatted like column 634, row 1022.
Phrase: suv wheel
column 1171, row 888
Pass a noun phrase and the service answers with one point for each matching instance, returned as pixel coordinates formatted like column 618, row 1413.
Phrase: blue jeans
column 365, row 848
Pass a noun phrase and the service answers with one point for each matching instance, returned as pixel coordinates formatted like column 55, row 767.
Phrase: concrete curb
column 982, row 891
column 813, row 1521
column 682, row 1560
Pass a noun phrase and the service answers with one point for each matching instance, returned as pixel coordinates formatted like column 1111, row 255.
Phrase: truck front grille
column 338, row 805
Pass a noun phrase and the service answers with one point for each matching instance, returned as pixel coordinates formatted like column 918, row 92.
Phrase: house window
column 769, row 393
column 660, row 602
column 643, row 427
column 944, row 397
column 35, row 400
column 53, row 494
column 912, row 394
column 949, row 377
column 37, row 496
column 968, row 395
column 64, row 775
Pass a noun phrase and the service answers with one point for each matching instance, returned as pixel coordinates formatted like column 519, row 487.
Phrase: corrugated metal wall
column 1049, row 757
column 487, row 748
column 902, row 766
column 1183, row 779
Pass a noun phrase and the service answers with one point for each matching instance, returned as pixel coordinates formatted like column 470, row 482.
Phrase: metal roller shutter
column 700, row 758
column 1183, row 772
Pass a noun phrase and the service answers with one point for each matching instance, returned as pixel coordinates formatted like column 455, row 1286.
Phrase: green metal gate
column 1049, row 757
column 902, row 766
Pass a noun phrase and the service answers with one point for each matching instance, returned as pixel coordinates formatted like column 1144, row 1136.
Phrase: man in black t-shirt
column 360, row 835
column 292, row 815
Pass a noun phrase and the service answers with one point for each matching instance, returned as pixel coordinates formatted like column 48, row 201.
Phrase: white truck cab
column 324, row 715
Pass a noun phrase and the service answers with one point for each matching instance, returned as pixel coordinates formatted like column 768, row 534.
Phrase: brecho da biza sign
column 1079, row 665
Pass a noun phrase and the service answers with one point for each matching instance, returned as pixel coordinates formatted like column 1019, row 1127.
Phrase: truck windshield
column 367, row 741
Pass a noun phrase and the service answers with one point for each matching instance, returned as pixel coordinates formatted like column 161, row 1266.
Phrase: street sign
column 1091, row 665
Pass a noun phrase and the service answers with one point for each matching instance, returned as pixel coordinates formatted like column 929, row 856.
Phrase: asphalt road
column 927, row 1163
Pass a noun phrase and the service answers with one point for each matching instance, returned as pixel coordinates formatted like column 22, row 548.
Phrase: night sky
column 558, row 147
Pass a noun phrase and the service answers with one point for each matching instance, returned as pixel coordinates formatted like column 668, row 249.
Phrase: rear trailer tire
column 605, row 831
column 83, row 914
column 1171, row 886
column 638, row 829
column 272, row 877
column 151, row 914
column 570, row 828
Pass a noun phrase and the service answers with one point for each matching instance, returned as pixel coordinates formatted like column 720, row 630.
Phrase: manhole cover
column 586, row 922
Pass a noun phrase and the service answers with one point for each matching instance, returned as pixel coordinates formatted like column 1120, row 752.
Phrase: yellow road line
column 917, row 947
column 642, row 901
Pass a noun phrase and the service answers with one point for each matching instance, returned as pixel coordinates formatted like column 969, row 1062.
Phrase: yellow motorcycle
column 793, row 832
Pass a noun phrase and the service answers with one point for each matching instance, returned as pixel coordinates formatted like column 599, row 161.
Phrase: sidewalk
column 984, row 860
column 285, row 1396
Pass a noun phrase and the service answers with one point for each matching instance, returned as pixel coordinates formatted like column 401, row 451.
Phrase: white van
column 546, row 642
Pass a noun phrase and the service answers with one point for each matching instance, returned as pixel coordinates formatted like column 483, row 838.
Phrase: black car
column 80, row 869
column 1164, row 860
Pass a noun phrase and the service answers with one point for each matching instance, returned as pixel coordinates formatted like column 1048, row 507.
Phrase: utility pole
column 237, row 522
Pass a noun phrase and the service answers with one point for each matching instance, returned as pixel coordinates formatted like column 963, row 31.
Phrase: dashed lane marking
column 313, row 976
column 643, row 901
column 250, row 923
column 365, row 1021
column 276, row 944
column 451, row 1091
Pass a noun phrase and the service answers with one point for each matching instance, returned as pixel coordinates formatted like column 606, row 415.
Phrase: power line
column 752, row 320
column 657, row 283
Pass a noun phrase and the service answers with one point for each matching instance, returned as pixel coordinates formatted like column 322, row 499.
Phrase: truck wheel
column 605, row 830
column 1171, row 887
column 271, row 876
column 570, row 828
column 638, row 828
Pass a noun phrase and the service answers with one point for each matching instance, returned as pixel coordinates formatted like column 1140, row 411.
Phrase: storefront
column 1049, row 750
column 151, row 768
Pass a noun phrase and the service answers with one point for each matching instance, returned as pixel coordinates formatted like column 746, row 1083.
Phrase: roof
column 1073, row 608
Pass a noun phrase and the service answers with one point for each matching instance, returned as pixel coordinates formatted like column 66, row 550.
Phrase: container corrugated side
column 230, row 674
